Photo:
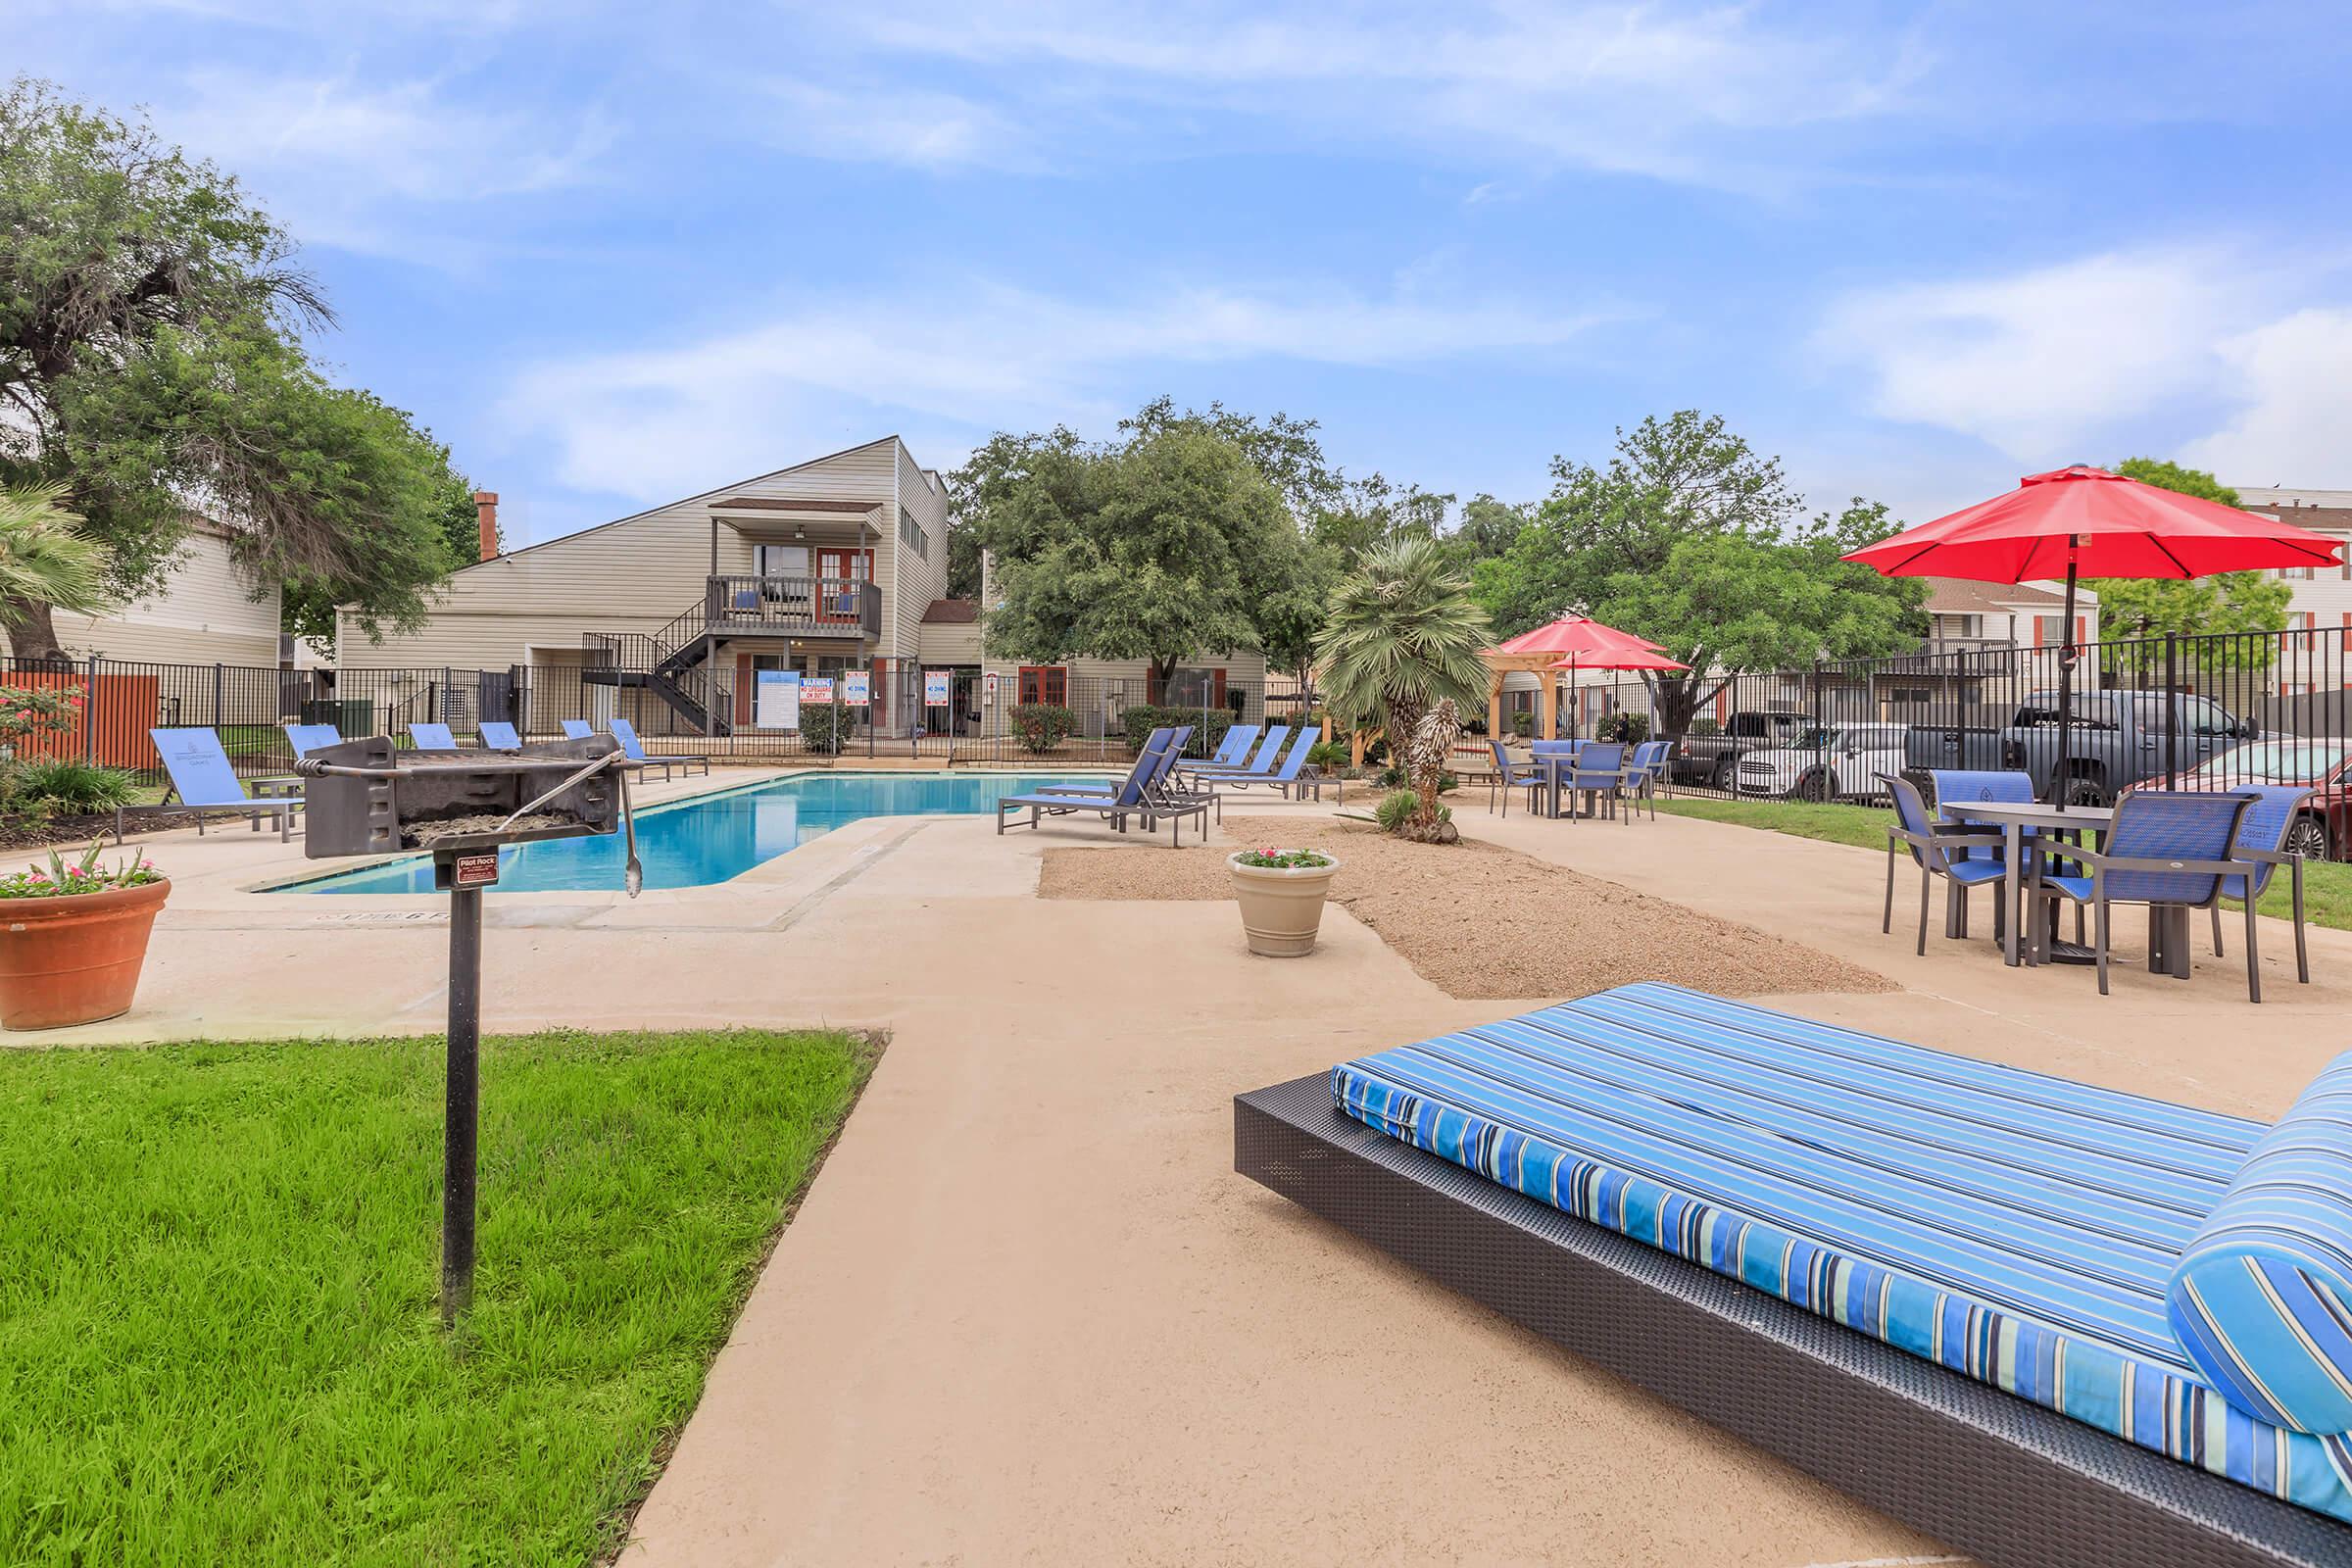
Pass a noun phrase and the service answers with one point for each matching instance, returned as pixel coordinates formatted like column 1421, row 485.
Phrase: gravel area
column 1479, row 920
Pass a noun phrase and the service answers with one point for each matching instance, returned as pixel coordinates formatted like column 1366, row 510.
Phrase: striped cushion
column 2262, row 1295
column 2013, row 1227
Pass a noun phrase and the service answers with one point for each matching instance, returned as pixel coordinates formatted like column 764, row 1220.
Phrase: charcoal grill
column 365, row 797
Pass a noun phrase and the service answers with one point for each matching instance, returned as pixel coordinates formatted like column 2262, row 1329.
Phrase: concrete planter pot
column 1281, row 906
column 76, row 959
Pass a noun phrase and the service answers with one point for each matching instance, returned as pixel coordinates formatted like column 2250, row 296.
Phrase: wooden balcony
column 792, row 607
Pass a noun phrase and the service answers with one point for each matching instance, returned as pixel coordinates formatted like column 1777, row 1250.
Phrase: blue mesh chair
column 1597, row 767
column 1510, row 775
column 2262, row 840
column 1645, row 772
column 1942, row 850
column 2169, row 850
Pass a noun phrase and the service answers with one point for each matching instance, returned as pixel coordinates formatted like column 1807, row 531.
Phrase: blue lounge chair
column 1952, row 851
column 432, row 738
column 1510, row 775
column 308, row 738
column 2169, row 850
column 499, row 736
column 1267, row 751
column 1166, row 743
column 2262, row 841
column 579, row 729
column 2169, row 1276
column 626, row 733
column 205, row 781
column 1234, row 747
column 1290, row 773
column 1133, row 797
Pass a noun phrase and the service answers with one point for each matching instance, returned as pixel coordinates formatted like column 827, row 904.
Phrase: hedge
column 1208, row 728
column 816, row 726
column 1041, row 726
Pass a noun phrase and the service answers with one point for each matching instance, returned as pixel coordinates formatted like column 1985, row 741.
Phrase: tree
column 1403, row 637
column 1694, row 540
column 307, row 607
column 152, row 363
column 44, row 556
column 2234, row 602
column 1168, row 543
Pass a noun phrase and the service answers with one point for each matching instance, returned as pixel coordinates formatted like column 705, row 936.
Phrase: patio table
column 2013, row 819
column 1554, row 764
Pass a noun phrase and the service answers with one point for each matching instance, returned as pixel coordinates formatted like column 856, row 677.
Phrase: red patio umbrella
column 1574, row 634
column 2086, row 520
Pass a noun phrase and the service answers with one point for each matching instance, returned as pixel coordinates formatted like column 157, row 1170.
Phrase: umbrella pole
column 2067, row 654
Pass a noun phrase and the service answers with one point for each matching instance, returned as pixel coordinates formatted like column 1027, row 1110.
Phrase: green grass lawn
column 220, row 1339
column 2327, row 885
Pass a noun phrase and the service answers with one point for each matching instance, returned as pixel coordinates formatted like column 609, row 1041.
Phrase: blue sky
column 615, row 255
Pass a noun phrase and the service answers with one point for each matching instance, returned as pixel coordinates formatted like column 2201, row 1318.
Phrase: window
column 912, row 535
column 1045, row 683
column 781, row 561
column 1194, row 688
column 2205, row 718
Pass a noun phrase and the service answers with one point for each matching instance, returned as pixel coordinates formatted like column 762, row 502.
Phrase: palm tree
column 1403, row 637
column 46, row 560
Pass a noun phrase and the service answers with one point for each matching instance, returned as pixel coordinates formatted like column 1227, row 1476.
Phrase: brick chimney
column 485, row 512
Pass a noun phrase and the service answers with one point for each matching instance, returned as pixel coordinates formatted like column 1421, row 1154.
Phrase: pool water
column 695, row 843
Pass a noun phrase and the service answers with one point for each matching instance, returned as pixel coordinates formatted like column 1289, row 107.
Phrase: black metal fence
column 883, row 709
column 2187, row 711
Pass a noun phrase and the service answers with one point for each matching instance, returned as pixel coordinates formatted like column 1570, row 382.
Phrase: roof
column 1962, row 596
column 952, row 613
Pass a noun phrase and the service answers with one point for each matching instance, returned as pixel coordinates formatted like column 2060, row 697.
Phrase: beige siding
column 920, row 579
column 205, row 615
column 949, row 643
column 634, row 576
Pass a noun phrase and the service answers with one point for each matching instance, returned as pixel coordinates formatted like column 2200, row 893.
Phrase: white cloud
column 1631, row 88
column 894, row 124
column 2295, row 429
column 2038, row 363
column 664, row 422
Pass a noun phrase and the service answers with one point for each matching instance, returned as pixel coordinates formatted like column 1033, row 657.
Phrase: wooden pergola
column 1538, row 665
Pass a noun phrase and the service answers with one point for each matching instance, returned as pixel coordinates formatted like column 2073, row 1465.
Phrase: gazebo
column 1538, row 652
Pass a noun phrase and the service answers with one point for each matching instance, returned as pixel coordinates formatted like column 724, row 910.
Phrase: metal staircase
column 674, row 663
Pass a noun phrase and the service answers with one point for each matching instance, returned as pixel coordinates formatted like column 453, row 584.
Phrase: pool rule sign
column 363, row 797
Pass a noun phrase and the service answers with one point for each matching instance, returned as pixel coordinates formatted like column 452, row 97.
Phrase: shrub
column 1041, row 726
column 1397, row 808
column 1523, row 724
column 36, row 710
column 66, row 785
column 1327, row 755
column 1208, row 728
column 1630, row 728
column 820, row 724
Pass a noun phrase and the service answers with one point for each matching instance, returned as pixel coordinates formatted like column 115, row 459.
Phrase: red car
column 2323, row 829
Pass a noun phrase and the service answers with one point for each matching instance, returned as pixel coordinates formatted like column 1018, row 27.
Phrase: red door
column 840, row 574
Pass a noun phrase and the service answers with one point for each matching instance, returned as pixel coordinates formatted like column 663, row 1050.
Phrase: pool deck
column 1028, row 1314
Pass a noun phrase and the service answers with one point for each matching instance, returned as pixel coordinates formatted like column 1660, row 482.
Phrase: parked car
column 1839, row 762
column 2323, row 830
column 2118, row 739
column 1713, row 760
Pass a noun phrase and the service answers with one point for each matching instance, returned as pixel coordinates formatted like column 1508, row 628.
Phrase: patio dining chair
column 1598, row 769
column 1509, row 776
column 2262, row 840
column 1645, row 773
column 2170, row 851
column 1942, row 850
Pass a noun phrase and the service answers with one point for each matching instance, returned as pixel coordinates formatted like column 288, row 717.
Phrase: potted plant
column 72, row 936
column 1281, row 893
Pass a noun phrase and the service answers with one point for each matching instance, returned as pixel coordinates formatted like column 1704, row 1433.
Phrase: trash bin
column 352, row 716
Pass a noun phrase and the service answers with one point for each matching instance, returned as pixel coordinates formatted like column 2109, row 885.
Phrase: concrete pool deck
column 1028, row 1314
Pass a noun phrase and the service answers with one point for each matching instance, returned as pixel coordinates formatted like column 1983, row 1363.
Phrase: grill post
column 462, row 1103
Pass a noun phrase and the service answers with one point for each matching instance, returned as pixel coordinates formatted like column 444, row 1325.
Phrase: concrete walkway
column 1029, row 1314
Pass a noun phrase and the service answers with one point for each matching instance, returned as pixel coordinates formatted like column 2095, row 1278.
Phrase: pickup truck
column 1714, row 760
column 1834, row 763
column 2117, row 739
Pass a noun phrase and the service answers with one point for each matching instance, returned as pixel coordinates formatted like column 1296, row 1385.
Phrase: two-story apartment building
column 2322, row 601
column 209, row 611
column 669, row 614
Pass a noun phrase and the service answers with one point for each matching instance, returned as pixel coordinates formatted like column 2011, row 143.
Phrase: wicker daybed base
column 1992, row 1475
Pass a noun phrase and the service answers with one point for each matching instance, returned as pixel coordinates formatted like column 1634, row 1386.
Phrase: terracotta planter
column 73, row 960
column 1281, row 906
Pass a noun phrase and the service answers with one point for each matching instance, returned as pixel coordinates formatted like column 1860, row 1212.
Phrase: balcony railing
column 845, row 607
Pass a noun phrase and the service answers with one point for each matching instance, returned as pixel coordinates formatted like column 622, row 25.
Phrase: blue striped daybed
column 2037, row 1235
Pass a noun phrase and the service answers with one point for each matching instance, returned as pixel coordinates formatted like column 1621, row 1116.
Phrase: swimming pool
column 709, row 839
